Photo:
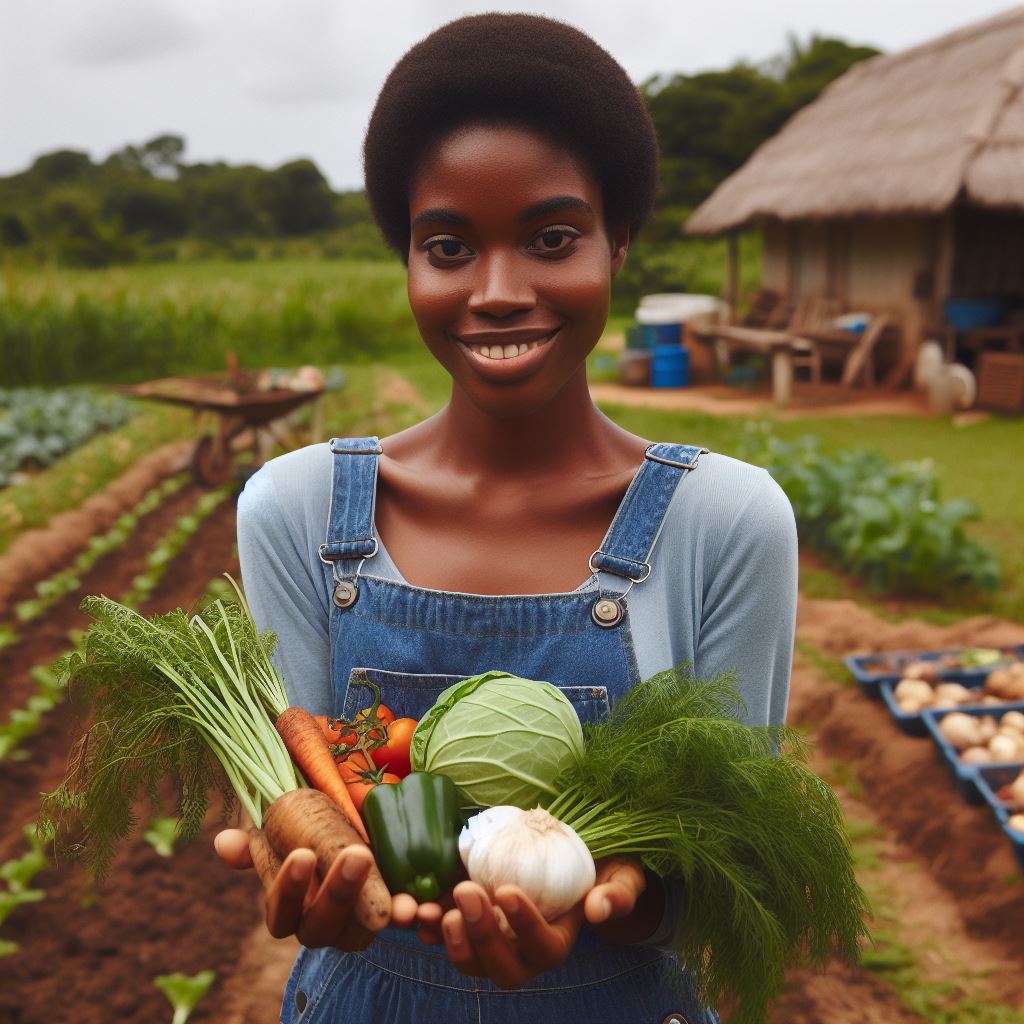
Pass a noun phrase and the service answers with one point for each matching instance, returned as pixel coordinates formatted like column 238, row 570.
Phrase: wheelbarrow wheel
column 212, row 462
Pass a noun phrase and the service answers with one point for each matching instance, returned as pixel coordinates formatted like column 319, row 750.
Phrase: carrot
column 309, row 750
column 309, row 818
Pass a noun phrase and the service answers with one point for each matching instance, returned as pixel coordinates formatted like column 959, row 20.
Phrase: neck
column 568, row 430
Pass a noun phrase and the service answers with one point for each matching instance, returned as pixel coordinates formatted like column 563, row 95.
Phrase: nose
column 501, row 286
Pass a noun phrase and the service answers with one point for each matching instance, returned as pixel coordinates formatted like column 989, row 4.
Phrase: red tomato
column 352, row 765
column 359, row 788
column 394, row 754
column 347, row 734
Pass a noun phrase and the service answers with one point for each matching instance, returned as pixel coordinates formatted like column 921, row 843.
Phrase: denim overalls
column 413, row 643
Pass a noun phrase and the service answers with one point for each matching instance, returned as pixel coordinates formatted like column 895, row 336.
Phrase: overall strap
column 627, row 546
column 350, row 524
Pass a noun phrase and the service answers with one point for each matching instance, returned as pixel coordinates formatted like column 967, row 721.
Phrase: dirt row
column 89, row 954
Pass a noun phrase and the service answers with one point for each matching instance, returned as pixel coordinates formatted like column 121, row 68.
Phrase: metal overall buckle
column 346, row 591
column 608, row 612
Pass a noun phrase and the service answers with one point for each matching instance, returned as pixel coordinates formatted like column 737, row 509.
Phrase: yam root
column 309, row 818
column 264, row 859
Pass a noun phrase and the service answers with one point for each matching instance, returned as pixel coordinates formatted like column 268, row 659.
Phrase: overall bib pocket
column 411, row 695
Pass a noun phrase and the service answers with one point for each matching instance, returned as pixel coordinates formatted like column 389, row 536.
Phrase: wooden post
column 732, row 285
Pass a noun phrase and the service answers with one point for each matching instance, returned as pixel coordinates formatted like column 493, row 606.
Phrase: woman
column 509, row 161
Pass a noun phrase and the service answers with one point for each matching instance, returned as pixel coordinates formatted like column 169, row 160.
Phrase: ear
column 619, row 239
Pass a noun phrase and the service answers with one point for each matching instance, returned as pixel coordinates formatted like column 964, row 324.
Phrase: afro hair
column 520, row 69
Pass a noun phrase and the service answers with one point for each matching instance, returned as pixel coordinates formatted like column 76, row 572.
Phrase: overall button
column 675, row 1018
column 345, row 593
column 300, row 1000
column 607, row 612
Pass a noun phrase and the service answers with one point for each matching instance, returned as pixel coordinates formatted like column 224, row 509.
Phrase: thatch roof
column 901, row 133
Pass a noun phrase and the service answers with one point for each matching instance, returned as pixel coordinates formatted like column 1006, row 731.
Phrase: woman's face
column 510, row 264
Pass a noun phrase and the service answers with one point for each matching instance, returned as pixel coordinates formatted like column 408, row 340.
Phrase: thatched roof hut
column 899, row 191
column 902, row 133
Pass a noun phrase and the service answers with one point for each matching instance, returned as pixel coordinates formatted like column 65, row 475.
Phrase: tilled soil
column 89, row 953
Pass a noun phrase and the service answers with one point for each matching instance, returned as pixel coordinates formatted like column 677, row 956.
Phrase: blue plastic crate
column 965, row 776
column 870, row 681
column 913, row 723
column 990, row 779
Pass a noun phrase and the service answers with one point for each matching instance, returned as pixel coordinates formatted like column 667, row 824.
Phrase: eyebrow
column 442, row 215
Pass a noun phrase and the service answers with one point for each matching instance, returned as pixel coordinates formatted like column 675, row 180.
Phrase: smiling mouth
column 508, row 351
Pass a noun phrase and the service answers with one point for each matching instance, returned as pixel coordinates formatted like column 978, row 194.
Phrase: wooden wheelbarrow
column 238, row 410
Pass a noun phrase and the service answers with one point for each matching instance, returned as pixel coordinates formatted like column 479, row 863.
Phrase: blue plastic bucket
column 652, row 335
column 670, row 367
column 966, row 314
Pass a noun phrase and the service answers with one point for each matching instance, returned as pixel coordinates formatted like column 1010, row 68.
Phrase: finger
column 542, row 944
column 404, row 910
column 428, row 917
column 615, row 895
column 288, row 893
column 430, row 913
column 232, row 846
column 327, row 916
column 460, row 953
column 490, row 947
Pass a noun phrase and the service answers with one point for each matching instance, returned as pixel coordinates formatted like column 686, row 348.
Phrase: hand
column 318, row 913
column 507, row 939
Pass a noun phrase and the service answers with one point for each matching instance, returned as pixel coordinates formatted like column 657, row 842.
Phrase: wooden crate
column 1001, row 381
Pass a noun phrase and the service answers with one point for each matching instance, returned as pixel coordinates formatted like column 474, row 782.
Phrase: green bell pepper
column 414, row 828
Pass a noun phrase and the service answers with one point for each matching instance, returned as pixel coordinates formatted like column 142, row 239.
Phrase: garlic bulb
column 530, row 849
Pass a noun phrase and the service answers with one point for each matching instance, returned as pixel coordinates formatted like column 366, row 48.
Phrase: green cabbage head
column 501, row 739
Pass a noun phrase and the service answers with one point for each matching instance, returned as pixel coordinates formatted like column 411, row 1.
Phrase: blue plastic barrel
column 670, row 367
column 653, row 335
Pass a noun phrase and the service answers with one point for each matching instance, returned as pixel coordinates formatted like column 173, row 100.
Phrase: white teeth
column 503, row 351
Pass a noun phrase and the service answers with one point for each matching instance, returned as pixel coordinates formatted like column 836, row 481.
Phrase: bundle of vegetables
column 195, row 700
column 732, row 813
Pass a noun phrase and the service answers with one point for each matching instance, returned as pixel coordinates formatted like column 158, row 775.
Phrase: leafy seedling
column 161, row 835
column 184, row 992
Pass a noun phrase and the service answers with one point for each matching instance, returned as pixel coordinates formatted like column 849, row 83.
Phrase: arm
column 747, row 624
column 748, row 619
column 282, row 574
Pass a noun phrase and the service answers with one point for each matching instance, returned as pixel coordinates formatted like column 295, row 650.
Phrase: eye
column 558, row 240
column 446, row 249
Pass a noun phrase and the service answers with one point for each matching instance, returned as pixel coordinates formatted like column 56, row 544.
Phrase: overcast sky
column 266, row 81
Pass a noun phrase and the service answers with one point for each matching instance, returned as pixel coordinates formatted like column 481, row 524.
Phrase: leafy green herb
column 734, row 813
column 184, row 992
column 192, row 699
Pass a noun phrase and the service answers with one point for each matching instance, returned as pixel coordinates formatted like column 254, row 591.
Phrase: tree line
column 148, row 202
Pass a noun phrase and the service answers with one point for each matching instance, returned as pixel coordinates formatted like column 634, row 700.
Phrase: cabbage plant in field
column 38, row 426
column 882, row 521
